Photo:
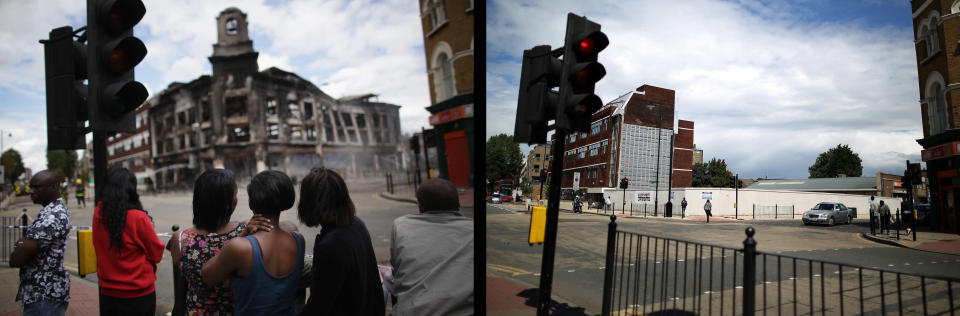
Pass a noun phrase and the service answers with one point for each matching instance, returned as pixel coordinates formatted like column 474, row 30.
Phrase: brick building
column 623, row 142
column 538, row 159
column 936, row 25
column 448, row 44
column 247, row 120
column 132, row 151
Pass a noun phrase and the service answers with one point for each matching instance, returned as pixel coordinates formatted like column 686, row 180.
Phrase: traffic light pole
column 426, row 158
column 553, row 215
column 99, row 163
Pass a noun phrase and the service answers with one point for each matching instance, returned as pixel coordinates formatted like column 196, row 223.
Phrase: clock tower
column 233, row 53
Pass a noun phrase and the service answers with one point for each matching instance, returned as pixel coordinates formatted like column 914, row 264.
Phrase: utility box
column 86, row 256
column 538, row 225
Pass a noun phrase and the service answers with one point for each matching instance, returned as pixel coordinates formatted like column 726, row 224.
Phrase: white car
column 828, row 213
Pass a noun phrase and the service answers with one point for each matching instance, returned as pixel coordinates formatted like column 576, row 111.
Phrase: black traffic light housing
column 581, row 71
column 66, row 68
column 536, row 101
column 624, row 183
column 415, row 144
column 543, row 175
column 113, row 95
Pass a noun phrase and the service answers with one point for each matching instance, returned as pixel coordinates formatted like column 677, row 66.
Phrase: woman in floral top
column 214, row 200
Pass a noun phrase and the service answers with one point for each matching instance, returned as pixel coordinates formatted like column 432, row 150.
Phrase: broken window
column 345, row 119
column 364, row 138
column 273, row 131
column 353, row 136
column 205, row 108
column 340, row 135
column 376, row 120
column 274, row 160
column 236, row 106
column 294, row 110
column 296, row 132
column 271, row 107
column 361, row 122
column 308, row 110
column 377, row 138
column 240, row 134
column 311, row 133
column 329, row 131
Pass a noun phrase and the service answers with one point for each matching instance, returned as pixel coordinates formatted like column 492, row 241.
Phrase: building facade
column 538, row 159
column 248, row 121
column 132, row 151
column 697, row 154
column 631, row 137
column 936, row 25
column 448, row 44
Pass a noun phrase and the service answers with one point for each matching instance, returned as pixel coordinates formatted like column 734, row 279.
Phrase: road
column 175, row 209
column 581, row 244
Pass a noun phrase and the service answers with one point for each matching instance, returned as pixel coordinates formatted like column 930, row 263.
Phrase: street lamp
column 656, row 197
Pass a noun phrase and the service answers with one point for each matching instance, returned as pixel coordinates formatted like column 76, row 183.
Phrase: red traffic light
column 589, row 74
column 593, row 43
column 124, row 54
column 120, row 15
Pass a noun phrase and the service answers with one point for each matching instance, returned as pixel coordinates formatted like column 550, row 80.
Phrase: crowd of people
column 256, row 267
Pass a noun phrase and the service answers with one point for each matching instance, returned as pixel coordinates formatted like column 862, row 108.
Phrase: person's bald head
column 438, row 195
column 45, row 187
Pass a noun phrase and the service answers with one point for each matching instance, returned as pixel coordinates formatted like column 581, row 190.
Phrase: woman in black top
column 346, row 280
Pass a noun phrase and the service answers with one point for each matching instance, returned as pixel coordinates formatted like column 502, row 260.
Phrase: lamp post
column 656, row 197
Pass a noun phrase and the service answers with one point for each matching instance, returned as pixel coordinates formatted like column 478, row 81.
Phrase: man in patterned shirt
column 44, row 283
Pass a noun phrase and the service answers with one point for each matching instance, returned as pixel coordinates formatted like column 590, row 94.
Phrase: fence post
column 754, row 211
column 749, row 272
column 631, row 209
column 776, row 211
column 608, row 270
column 793, row 211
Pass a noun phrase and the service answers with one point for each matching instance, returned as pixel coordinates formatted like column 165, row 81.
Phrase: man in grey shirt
column 432, row 255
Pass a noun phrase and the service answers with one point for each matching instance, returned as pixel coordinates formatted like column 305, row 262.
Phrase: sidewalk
column 83, row 294
column 926, row 240
column 466, row 196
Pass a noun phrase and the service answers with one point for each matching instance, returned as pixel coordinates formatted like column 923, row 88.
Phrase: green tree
column 12, row 165
column 503, row 158
column 63, row 161
column 700, row 178
column 837, row 161
column 713, row 174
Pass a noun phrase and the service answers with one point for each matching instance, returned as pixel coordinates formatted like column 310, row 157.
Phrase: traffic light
column 913, row 174
column 415, row 144
column 536, row 101
column 581, row 71
column 113, row 53
column 66, row 68
column 543, row 175
column 624, row 183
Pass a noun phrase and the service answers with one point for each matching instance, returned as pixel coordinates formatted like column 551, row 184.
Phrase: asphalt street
column 581, row 245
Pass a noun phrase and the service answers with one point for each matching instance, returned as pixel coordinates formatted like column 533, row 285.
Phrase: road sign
column 644, row 197
column 576, row 181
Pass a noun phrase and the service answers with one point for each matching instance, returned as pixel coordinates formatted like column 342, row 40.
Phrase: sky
column 345, row 47
column 769, row 84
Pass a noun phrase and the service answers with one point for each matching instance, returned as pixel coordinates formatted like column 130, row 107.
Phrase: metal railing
column 776, row 211
column 10, row 231
column 400, row 183
column 649, row 274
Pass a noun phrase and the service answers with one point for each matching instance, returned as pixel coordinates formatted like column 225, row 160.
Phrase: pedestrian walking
column 885, row 215
column 81, row 194
column 263, row 268
column 124, row 232
column 706, row 209
column 346, row 279
column 683, row 207
column 44, row 282
column 874, row 215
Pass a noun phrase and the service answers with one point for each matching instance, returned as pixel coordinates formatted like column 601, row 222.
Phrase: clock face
column 232, row 26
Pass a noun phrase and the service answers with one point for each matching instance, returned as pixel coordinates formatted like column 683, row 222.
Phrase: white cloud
column 767, row 87
column 344, row 47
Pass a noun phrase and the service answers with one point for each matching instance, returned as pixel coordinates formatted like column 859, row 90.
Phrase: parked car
column 494, row 198
column 828, row 213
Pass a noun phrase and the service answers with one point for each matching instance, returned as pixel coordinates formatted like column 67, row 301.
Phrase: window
column 273, row 131
column 536, row 157
column 573, row 137
column 536, row 168
column 364, row 138
column 583, row 135
column 329, row 133
column 205, row 108
column 240, row 134
column 438, row 13
column 294, row 110
column 446, row 76
column 582, row 152
column 595, row 127
column 353, row 136
column 296, row 132
column 271, row 107
column 308, row 110
column 376, row 120
column 311, row 132
column 345, row 119
column 361, row 121
column 236, row 106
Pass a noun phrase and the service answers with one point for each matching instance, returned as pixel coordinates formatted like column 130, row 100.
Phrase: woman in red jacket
column 124, row 233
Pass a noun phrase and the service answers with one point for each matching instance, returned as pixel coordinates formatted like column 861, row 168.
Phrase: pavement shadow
column 558, row 309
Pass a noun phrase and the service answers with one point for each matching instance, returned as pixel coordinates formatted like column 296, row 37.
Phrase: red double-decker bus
column 505, row 188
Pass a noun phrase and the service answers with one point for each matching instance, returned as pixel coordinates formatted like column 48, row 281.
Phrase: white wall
column 723, row 200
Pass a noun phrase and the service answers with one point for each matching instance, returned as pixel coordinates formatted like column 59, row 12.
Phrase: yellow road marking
column 71, row 267
column 513, row 271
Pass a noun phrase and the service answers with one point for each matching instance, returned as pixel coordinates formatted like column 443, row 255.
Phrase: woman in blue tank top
column 263, row 268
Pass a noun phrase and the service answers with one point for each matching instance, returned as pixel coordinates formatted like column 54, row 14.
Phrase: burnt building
column 247, row 120
column 631, row 137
